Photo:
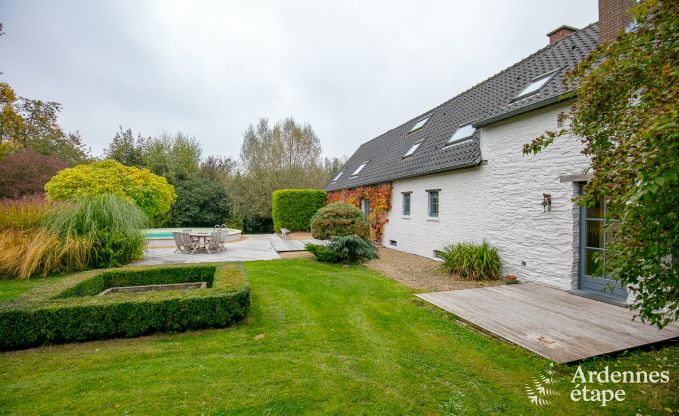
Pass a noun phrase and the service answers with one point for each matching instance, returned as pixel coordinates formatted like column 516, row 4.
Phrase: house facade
column 457, row 172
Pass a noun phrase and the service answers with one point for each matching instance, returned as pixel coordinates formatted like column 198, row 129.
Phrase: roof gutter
column 526, row 109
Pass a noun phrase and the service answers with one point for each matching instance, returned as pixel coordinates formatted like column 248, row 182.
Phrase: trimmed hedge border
column 70, row 310
column 294, row 208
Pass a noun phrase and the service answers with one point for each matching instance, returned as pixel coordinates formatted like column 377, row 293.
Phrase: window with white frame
column 433, row 203
column 413, row 149
column 535, row 85
column 406, row 203
column 359, row 169
column 420, row 123
column 462, row 133
column 365, row 206
column 339, row 175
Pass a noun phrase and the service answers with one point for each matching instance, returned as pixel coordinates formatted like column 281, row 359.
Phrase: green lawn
column 320, row 339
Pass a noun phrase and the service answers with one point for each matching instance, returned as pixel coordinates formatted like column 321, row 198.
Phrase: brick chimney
column 560, row 33
column 613, row 18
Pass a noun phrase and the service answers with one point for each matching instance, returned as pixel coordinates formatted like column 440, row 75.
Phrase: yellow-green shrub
column 150, row 192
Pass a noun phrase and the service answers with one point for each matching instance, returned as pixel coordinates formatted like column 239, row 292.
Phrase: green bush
column 322, row 253
column 294, row 208
column 150, row 192
column 67, row 311
column 472, row 261
column 200, row 203
column 110, row 223
column 339, row 219
column 345, row 249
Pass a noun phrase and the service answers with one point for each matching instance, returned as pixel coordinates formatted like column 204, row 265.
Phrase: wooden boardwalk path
column 550, row 322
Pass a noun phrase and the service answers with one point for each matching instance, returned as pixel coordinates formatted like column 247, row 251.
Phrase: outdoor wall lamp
column 546, row 202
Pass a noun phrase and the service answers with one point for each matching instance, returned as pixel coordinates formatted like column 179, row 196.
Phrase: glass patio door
column 595, row 233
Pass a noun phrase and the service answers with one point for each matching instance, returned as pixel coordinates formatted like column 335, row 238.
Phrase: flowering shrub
column 380, row 204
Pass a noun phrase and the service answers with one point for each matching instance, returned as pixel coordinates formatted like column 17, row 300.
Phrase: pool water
column 166, row 233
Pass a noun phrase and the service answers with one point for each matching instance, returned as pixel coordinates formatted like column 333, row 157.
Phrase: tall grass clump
column 37, row 252
column 24, row 213
column 38, row 238
column 472, row 261
column 112, row 224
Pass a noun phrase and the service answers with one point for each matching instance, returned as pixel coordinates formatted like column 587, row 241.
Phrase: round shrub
column 150, row 192
column 339, row 219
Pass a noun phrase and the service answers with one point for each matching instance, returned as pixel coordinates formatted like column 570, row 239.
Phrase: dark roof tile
column 491, row 99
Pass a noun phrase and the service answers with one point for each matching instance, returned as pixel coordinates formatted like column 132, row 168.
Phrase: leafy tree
column 27, row 123
column 626, row 111
column 219, row 169
column 26, row 172
column 150, row 192
column 200, row 203
column 174, row 157
column 285, row 156
column 11, row 123
column 125, row 149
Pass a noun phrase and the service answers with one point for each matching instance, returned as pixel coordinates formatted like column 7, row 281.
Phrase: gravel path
column 420, row 272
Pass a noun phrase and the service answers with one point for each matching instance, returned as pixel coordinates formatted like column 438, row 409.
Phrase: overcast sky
column 351, row 69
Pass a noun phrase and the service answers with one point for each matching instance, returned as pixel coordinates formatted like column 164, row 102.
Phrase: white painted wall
column 500, row 201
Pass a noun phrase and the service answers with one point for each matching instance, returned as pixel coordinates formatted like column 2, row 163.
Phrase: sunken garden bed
column 126, row 302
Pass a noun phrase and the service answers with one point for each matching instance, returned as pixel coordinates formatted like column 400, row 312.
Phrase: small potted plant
column 510, row 279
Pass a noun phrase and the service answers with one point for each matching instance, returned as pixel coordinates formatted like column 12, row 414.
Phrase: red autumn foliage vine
column 380, row 204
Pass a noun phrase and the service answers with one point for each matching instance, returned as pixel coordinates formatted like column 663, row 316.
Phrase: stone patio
column 249, row 248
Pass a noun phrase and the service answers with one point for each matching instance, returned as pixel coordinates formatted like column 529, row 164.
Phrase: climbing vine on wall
column 380, row 204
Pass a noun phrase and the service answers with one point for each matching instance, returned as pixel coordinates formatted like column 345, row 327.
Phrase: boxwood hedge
column 293, row 208
column 69, row 310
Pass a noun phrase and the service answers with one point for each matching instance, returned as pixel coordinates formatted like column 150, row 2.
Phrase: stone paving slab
column 250, row 248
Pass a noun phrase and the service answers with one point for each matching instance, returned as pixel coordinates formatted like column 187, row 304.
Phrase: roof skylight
column 339, row 175
column 413, row 148
column 359, row 169
column 462, row 133
column 535, row 85
column 420, row 123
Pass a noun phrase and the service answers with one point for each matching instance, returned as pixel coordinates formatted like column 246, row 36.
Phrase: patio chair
column 223, row 233
column 179, row 242
column 212, row 242
column 190, row 244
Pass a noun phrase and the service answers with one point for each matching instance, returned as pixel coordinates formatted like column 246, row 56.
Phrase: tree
column 150, row 192
column 626, row 111
column 174, row 157
column 33, row 124
column 11, row 123
column 43, row 133
column 26, row 172
column 218, row 169
column 285, row 156
column 125, row 149
column 200, row 203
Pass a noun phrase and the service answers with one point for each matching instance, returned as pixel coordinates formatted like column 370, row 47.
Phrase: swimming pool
column 167, row 232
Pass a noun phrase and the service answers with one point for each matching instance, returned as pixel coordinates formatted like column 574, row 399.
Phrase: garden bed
column 70, row 310
column 420, row 272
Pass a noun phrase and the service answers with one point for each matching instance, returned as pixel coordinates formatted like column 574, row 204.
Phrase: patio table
column 201, row 238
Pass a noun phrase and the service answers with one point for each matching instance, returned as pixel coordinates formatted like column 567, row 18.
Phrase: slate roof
column 487, row 102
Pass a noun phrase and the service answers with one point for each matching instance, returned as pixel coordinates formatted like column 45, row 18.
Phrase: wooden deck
column 552, row 323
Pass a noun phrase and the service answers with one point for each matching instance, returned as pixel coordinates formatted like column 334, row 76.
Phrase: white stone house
column 458, row 172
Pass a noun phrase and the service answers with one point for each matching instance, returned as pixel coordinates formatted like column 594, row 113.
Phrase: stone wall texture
column 500, row 201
